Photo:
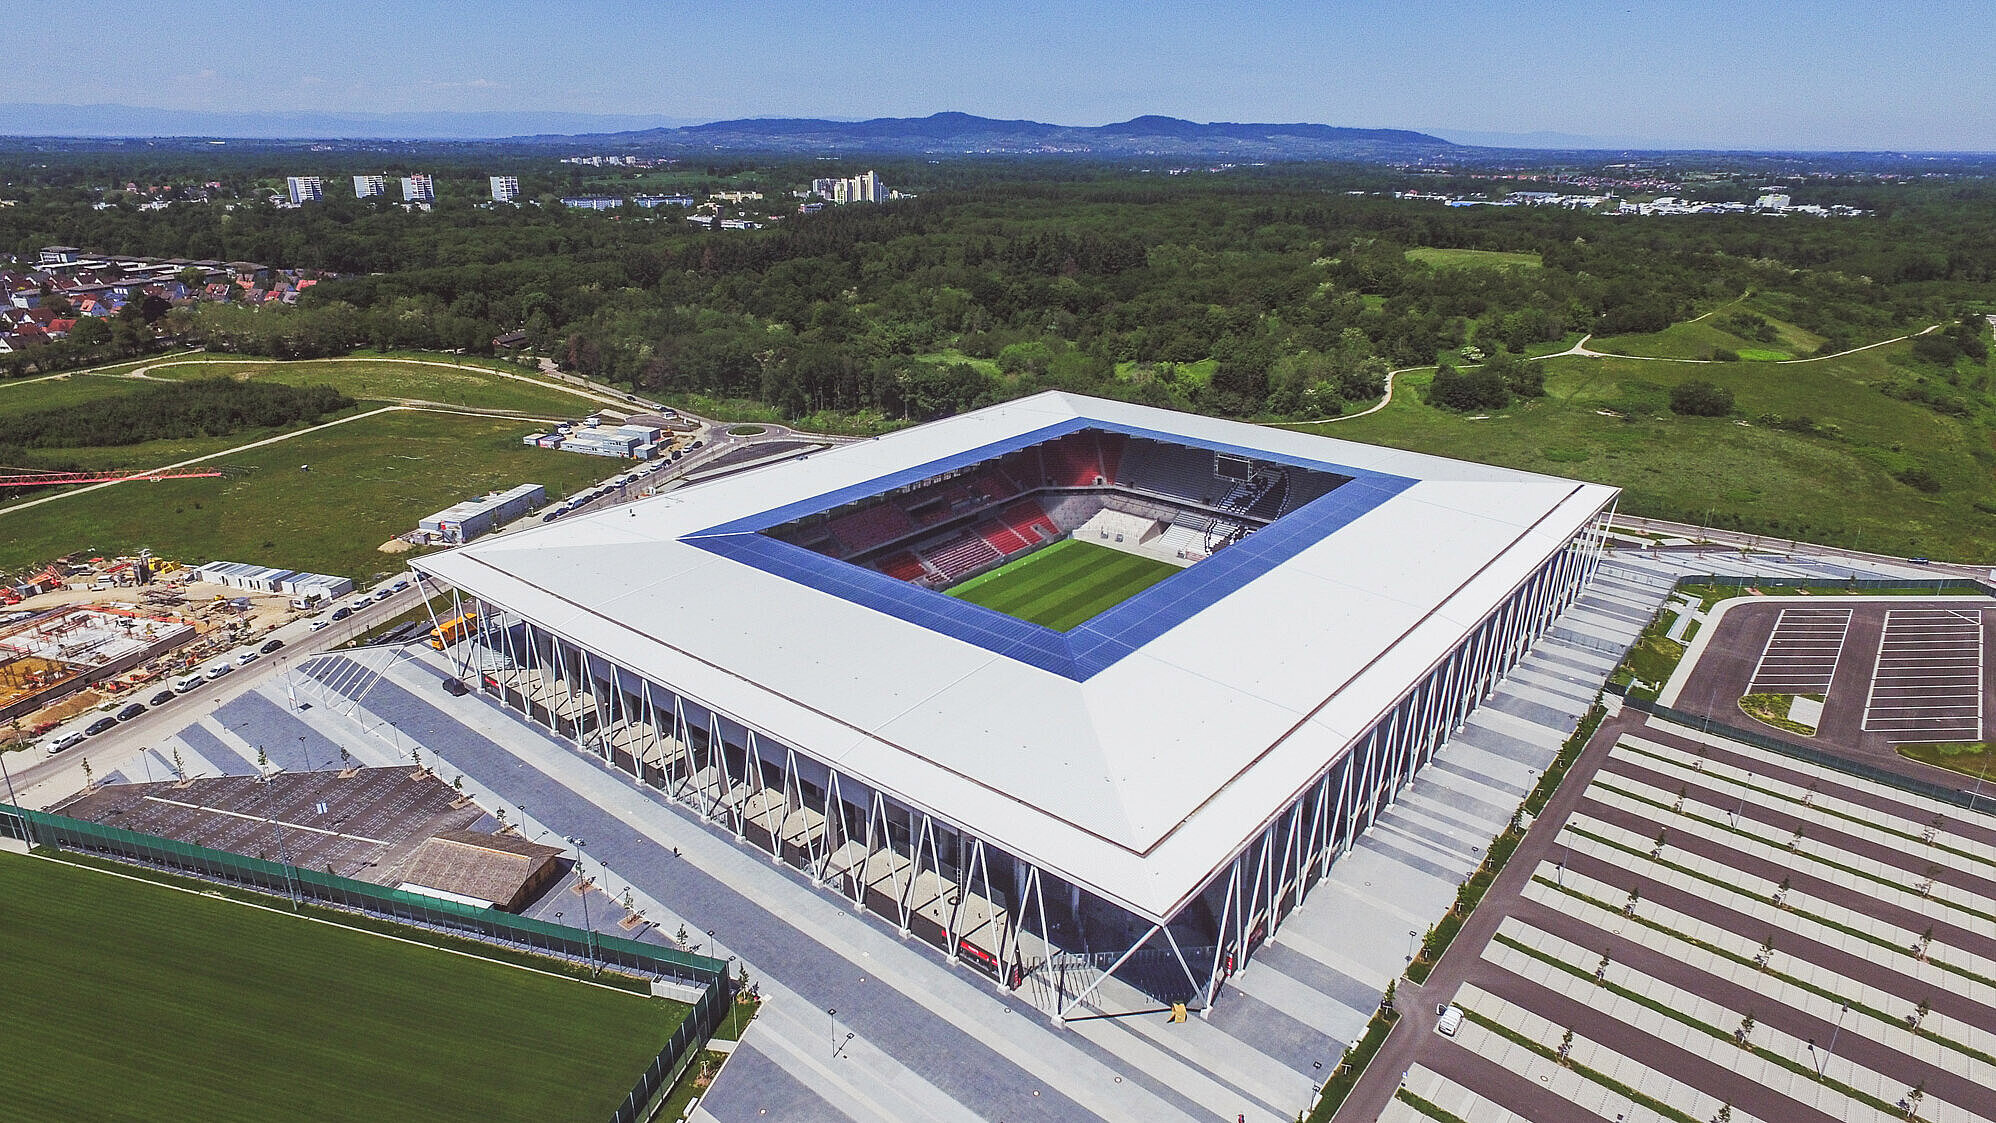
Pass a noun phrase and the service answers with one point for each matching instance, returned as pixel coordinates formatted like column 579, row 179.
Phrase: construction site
column 87, row 632
column 52, row 655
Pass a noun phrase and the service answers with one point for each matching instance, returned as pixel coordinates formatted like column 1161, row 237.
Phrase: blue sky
column 1748, row 73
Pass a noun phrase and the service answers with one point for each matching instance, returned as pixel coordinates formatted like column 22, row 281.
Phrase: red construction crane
column 47, row 479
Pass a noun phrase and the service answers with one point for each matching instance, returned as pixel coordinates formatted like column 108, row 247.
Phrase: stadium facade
column 1144, row 794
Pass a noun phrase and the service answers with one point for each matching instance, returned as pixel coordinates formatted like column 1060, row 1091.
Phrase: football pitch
column 1065, row 584
column 131, row 1000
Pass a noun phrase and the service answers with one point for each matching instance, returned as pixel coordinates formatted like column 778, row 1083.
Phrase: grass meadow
column 129, row 1000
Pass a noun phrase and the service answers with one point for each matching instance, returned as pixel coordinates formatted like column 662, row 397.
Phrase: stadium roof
column 1141, row 755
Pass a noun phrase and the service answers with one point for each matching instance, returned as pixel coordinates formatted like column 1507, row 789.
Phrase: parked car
column 218, row 670
column 271, row 645
column 359, row 604
column 131, row 711
column 66, row 741
column 246, row 658
column 160, row 699
column 342, row 612
column 189, row 683
column 1450, row 1022
column 318, row 624
column 400, row 585
column 99, row 726
column 383, row 594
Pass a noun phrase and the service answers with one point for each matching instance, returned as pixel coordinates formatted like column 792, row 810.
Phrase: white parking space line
column 1928, row 684
column 1802, row 652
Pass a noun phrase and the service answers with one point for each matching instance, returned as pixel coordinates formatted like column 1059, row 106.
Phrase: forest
column 1284, row 292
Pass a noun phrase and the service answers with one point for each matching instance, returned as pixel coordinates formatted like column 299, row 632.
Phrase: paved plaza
column 914, row 1037
column 1721, row 931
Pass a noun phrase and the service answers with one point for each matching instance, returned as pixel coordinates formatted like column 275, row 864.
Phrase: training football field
column 1065, row 584
column 131, row 1000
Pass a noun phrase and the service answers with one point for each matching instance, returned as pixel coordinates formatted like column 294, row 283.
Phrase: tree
column 1698, row 398
column 1525, row 379
column 90, row 332
column 1477, row 390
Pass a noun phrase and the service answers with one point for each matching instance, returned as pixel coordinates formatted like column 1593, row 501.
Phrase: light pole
column 27, row 829
column 832, row 1012
column 284, row 856
column 734, row 1002
column 1741, row 809
column 582, row 882
column 1412, row 935
column 1824, row 1064
column 304, row 752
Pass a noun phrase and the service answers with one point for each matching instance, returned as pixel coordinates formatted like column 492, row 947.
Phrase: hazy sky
column 1743, row 73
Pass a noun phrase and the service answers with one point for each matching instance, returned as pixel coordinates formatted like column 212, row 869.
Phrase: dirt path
column 1581, row 350
column 140, row 476
column 604, row 397
column 1385, row 399
column 1584, row 351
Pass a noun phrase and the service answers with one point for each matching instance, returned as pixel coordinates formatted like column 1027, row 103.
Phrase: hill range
column 963, row 133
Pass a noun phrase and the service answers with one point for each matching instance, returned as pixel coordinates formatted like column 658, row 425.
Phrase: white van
column 66, row 741
column 218, row 670
column 1450, row 1022
column 190, row 683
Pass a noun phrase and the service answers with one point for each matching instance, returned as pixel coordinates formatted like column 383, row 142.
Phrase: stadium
column 1057, row 682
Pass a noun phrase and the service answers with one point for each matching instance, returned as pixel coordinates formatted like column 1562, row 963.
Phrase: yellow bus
column 453, row 630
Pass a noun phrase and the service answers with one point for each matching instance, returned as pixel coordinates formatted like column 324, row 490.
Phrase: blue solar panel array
column 1100, row 642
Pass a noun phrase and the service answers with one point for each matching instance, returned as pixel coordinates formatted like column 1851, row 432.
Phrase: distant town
column 720, row 209
column 1772, row 202
column 68, row 294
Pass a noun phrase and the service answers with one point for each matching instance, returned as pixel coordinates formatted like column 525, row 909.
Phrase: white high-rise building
column 418, row 189
column 862, row 188
column 1772, row 202
column 505, row 188
column 368, row 186
column 303, row 188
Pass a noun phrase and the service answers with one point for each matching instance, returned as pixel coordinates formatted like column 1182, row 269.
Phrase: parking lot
column 1891, row 671
column 1928, row 682
column 1802, row 653
column 1702, row 929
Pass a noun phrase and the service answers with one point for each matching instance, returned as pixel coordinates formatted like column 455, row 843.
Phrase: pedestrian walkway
column 862, row 1024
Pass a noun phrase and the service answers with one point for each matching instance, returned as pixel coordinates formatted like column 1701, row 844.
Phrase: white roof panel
column 1137, row 779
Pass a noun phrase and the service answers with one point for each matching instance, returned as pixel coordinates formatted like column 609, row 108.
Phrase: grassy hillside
column 369, row 480
column 1743, row 327
column 1814, row 449
column 387, row 380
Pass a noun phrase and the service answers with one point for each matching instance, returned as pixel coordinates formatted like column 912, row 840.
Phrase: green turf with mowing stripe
column 1064, row 585
column 127, row 1000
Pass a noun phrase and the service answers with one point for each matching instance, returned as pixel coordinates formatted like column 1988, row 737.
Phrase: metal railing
column 298, row 884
